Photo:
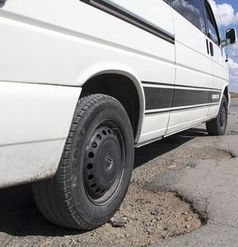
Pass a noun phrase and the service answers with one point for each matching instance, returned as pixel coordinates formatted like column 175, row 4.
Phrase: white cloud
column 233, row 75
column 224, row 12
column 233, row 50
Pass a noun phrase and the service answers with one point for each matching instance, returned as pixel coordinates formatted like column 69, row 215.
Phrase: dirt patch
column 144, row 218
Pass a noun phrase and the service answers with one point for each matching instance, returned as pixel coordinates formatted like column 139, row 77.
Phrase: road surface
column 199, row 169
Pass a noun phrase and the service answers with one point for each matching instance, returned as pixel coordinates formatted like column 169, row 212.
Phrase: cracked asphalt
column 201, row 170
column 211, row 187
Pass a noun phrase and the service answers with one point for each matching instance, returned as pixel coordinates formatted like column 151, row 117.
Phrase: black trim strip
column 158, row 98
column 163, row 98
column 178, row 85
column 130, row 18
column 184, row 97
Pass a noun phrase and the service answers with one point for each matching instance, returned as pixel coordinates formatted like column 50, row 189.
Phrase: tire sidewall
column 222, row 129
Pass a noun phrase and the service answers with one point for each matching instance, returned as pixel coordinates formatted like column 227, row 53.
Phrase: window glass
column 211, row 25
column 192, row 10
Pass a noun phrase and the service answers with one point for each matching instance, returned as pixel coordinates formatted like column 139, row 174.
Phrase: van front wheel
column 95, row 168
column 217, row 126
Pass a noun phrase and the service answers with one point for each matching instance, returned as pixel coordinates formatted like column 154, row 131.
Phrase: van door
column 219, row 64
column 158, row 83
column 41, row 37
column 193, row 82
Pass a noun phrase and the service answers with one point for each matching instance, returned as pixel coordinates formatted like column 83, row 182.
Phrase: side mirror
column 231, row 37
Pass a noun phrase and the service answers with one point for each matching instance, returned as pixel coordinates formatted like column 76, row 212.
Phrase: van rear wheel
column 217, row 126
column 95, row 169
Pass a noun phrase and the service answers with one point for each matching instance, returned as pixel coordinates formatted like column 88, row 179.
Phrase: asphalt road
column 211, row 186
column 209, row 183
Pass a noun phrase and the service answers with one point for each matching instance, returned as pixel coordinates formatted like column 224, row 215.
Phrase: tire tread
column 212, row 126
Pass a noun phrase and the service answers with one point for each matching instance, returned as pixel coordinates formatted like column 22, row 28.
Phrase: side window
column 192, row 10
column 212, row 29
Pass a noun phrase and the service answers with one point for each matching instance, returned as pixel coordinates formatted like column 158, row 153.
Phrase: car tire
column 95, row 168
column 218, row 125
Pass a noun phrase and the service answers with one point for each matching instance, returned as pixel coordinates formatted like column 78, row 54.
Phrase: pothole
column 177, row 159
column 144, row 218
column 205, row 154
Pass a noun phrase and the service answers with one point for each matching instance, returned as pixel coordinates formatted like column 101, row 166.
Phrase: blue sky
column 228, row 11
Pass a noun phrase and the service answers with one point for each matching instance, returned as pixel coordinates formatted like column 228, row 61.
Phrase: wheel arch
column 115, row 83
column 226, row 93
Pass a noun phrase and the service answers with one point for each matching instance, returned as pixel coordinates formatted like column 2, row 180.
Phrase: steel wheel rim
column 104, row 163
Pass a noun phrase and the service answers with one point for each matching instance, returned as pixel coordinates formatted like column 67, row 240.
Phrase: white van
column 84, row 82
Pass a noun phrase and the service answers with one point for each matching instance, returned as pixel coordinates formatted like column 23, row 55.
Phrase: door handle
column 211, row 49
column 208, row 52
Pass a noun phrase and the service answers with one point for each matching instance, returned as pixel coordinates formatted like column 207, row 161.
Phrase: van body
column 163, row 61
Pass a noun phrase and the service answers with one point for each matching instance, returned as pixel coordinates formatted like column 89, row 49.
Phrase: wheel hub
column 109, row 162
column 102, row 162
